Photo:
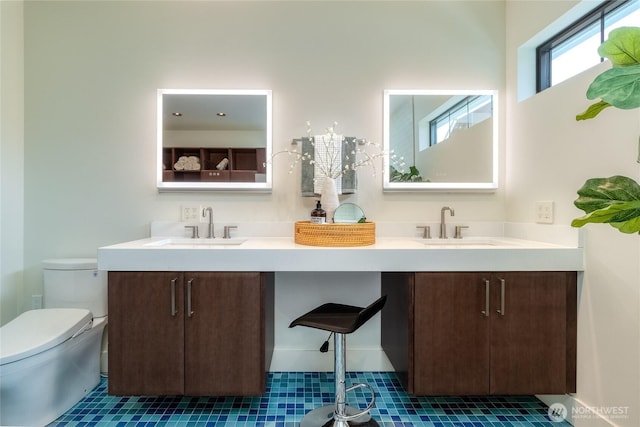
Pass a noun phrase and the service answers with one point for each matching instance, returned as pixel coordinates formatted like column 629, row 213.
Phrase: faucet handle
column 194, row 231
column 426, row 233
column 227, row 228
column 458, row 231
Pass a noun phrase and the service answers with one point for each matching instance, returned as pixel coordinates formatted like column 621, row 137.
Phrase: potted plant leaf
column 614, row 200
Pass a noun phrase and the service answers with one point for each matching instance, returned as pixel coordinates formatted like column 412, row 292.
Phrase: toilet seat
column 36, row 331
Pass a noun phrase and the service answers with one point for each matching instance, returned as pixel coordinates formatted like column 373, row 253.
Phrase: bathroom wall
column 90, row 75
column 549, row 157
column 11, row 160
column 90, row 98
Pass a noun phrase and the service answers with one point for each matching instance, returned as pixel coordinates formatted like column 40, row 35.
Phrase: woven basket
column 357, row 234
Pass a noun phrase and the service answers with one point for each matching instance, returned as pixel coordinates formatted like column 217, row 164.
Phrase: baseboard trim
column 358, row 359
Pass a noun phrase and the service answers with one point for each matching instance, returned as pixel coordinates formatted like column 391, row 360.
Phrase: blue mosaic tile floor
column 290, row 395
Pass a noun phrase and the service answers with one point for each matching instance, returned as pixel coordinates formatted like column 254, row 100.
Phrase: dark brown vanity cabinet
column 482, row 333
column 192, row 333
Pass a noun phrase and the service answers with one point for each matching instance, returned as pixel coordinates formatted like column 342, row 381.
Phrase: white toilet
column 50, row 358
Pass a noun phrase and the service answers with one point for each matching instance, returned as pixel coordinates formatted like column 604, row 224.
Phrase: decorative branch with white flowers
column 332, row 163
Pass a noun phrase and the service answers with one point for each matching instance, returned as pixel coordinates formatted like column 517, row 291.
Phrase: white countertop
column 387, row 254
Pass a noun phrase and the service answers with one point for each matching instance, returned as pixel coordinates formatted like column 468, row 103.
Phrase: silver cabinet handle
column 189, row 283
column 487, row 285
column 503, row 285
column 173, row 297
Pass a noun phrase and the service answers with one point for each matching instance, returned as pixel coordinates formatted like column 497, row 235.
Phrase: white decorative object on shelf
column 329, row 197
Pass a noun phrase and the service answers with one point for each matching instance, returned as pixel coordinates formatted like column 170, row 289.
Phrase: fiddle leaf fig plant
column 618, row 86
column 614, row 200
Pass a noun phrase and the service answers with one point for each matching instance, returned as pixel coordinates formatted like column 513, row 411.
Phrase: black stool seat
column 340, row 318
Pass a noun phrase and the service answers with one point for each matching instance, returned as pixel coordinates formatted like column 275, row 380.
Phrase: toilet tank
column 75, row 283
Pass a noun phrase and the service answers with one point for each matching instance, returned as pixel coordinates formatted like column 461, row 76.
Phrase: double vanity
column 469, row 316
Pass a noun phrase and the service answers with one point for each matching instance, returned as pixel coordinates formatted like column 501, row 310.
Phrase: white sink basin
column 458, row 242
column 465, row 243
column 174, row 241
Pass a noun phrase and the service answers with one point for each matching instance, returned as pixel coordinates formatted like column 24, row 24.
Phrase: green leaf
column 631, row 226
column 619, row 87
column 611, row 215
column 607, row 190
column 614, row 200
column 622, row 47
column 412, row 176
column 593, row 110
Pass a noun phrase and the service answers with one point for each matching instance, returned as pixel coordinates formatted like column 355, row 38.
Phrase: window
column 466, row 113
column 574, row 49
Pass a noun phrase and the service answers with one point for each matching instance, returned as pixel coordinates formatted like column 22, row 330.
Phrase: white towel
column 327, row 153
column 188, row 163
column 223, row 164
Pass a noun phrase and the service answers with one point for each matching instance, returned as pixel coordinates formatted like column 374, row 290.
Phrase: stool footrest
column 324, row 416
column 343, row 417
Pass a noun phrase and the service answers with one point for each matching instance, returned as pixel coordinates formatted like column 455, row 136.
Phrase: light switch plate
column 190, row 213
column 544, row 212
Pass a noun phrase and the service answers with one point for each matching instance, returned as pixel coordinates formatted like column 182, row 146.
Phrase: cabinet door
column 533, row 333
column 224, row 334
column 451, row 348
column 146, row 336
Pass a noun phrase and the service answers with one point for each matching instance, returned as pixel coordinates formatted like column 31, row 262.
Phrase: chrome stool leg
column 339, row 414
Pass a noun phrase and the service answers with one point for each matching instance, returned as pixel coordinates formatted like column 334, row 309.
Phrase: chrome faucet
column 210, row 233
column 443, row 225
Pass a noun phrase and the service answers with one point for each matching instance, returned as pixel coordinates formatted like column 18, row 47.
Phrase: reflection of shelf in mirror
column 213, row 156
column 243, row 164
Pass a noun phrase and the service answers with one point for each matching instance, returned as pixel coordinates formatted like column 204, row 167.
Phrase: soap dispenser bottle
column 318, row 215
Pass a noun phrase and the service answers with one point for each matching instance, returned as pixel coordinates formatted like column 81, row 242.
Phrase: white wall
column 549, row 156
column 90, row 93
column 11, row 160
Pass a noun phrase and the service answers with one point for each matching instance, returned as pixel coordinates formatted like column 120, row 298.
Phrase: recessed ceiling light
column 221, row 114
column 177, row 114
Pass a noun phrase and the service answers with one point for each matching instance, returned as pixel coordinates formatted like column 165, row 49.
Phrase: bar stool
column 341, row 320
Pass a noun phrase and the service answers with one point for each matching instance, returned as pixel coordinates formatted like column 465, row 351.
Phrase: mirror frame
column 265, row 186
column 488, row 186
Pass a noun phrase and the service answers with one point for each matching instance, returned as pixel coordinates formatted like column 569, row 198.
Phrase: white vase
column 329, row 197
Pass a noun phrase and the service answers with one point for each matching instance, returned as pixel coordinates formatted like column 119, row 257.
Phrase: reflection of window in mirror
column 440, row 139
column 468, row 112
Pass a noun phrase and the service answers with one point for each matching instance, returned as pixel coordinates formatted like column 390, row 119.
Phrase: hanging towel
column 328, row 160
column 347, row 182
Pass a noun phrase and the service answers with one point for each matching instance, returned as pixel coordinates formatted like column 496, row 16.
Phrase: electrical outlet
column 544, row 212
column 190, row 213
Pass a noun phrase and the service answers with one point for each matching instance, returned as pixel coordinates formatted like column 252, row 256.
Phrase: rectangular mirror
column 440, row 140
column 214, row 140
